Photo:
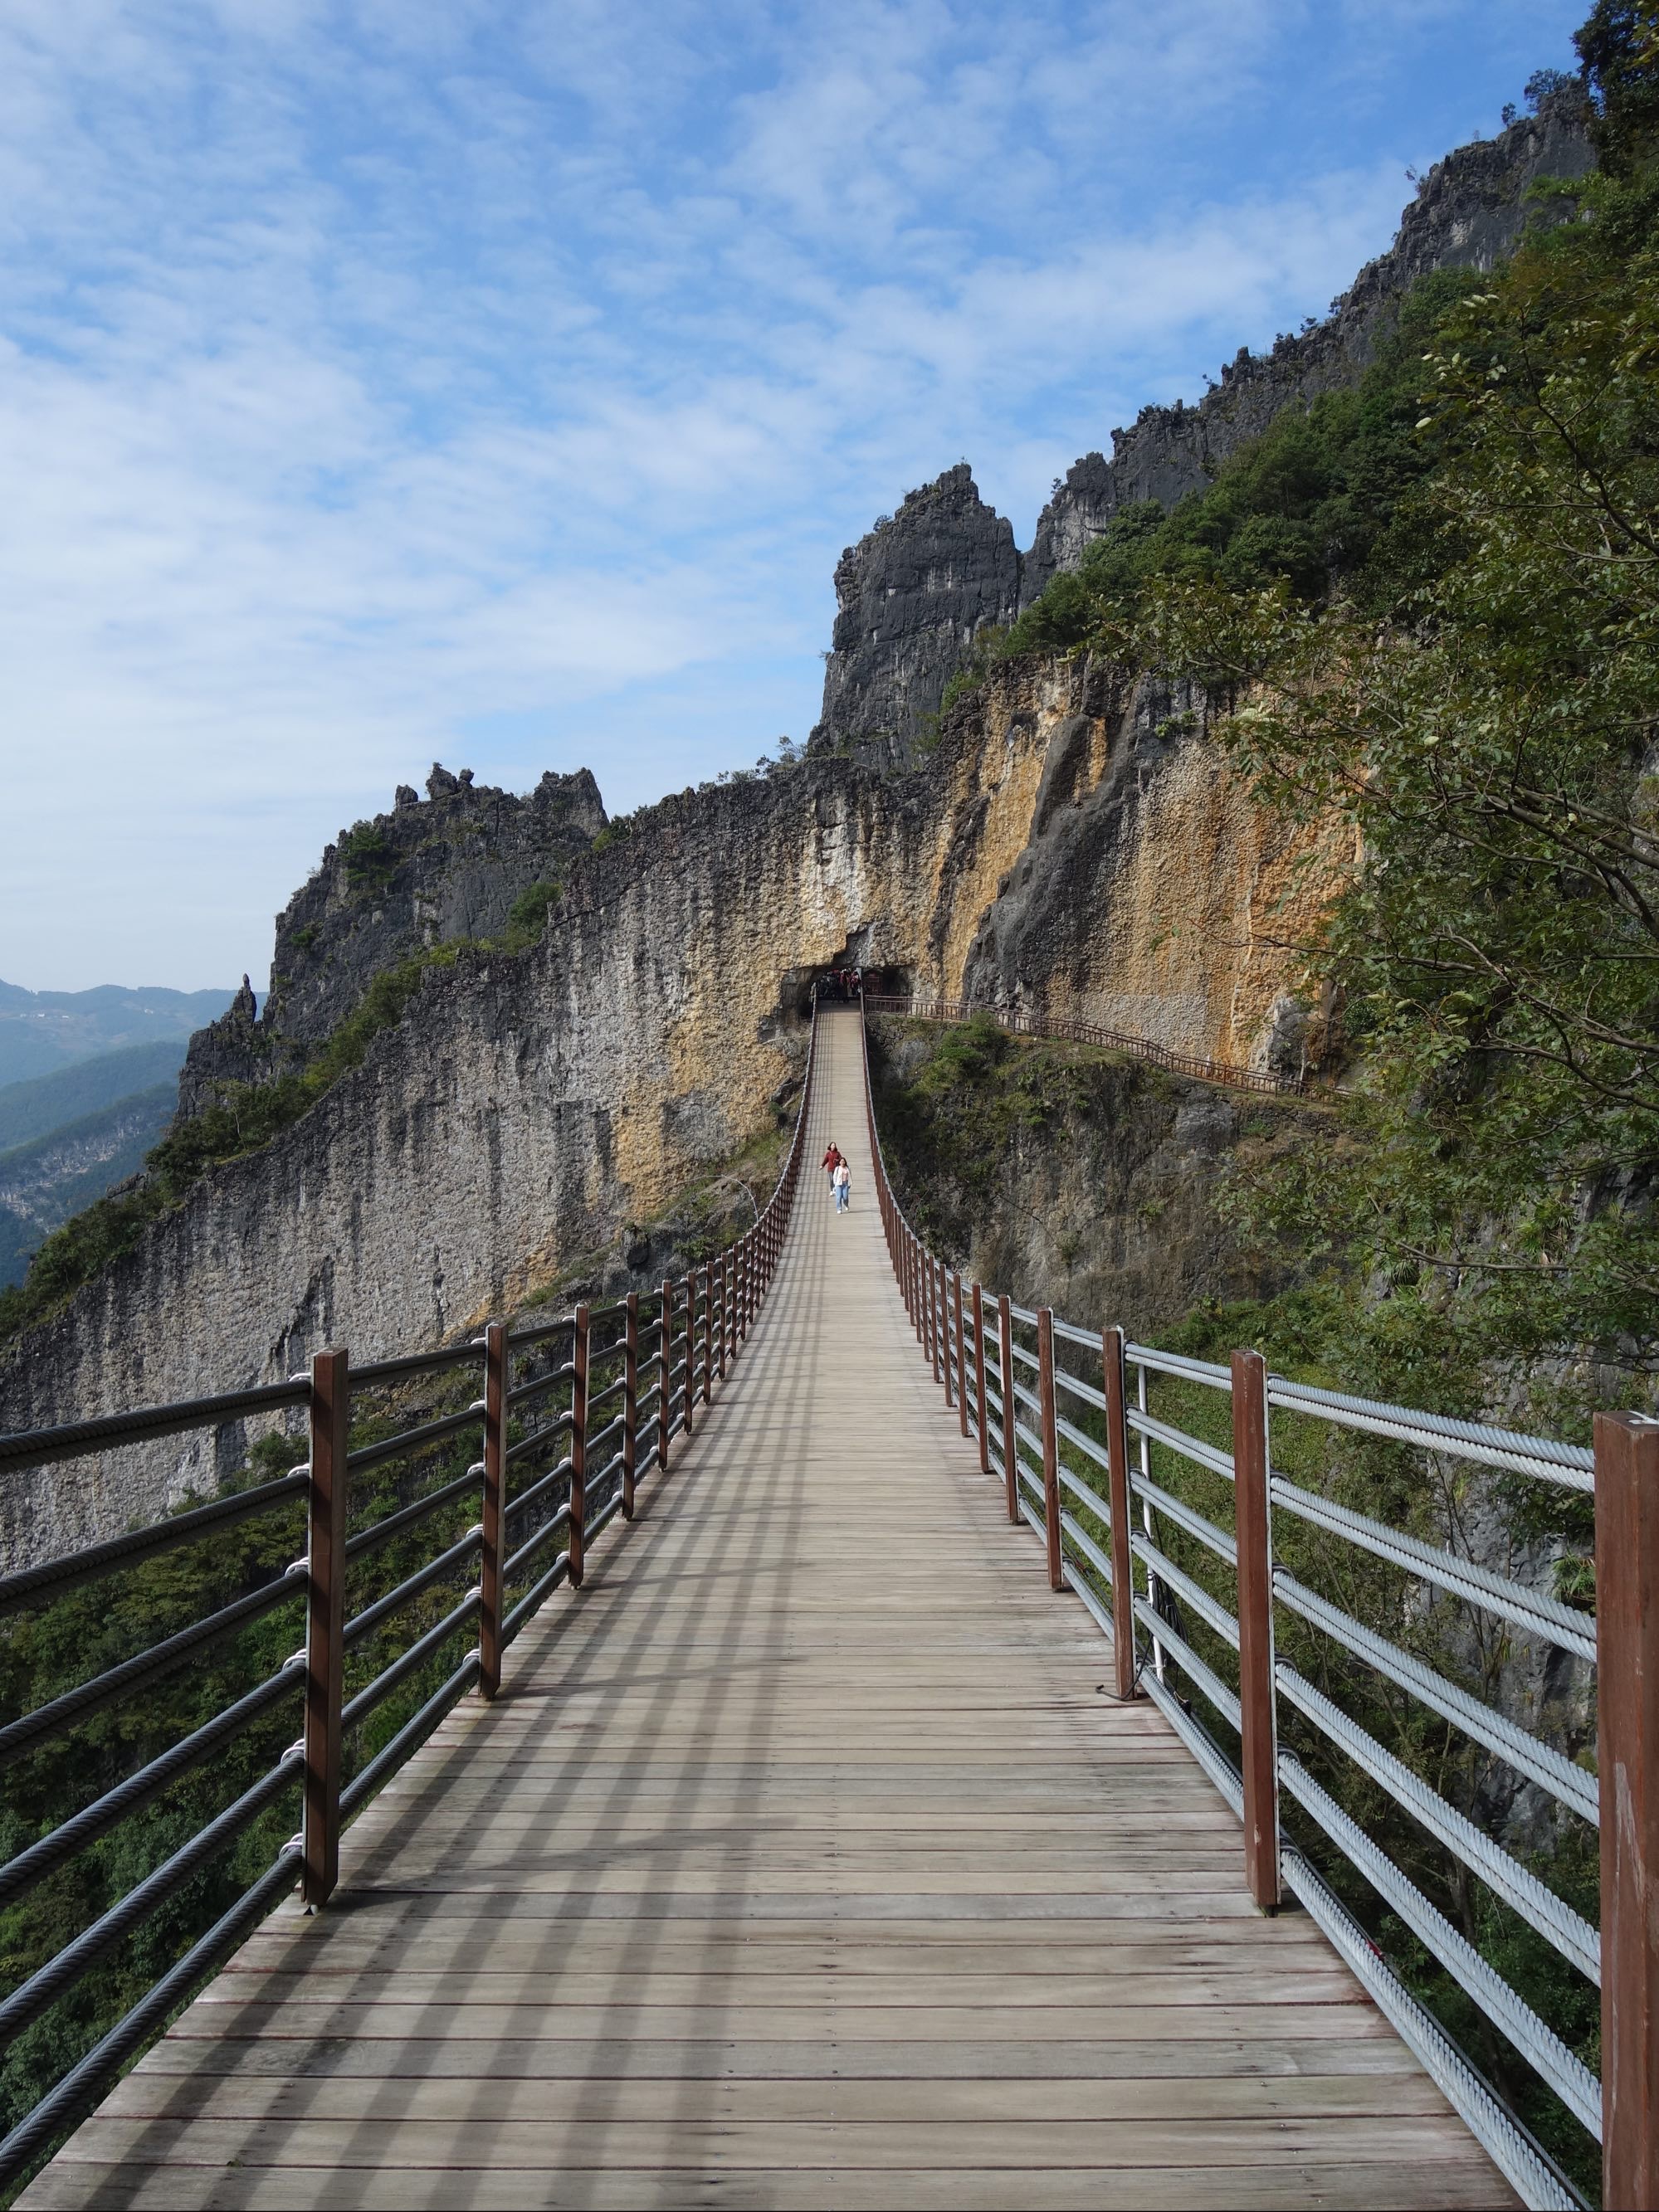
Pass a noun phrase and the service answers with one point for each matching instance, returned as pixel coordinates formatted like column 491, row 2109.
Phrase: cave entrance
column 838, row 981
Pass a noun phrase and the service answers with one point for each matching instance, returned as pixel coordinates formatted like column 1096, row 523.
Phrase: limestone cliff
column 527, row 1106
column 912, row 594
column 431, row 871
column 1467, row 213
column 909, row 598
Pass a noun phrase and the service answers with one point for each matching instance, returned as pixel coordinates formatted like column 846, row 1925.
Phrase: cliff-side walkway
column 800, row 1863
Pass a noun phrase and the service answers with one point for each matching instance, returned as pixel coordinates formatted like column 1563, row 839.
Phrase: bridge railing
column 1018, row 1021
column 418, row 1565
column 1197, row 1510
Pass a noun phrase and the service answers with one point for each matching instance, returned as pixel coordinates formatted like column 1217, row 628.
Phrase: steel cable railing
column 1197, row 1611
column 397, row 1646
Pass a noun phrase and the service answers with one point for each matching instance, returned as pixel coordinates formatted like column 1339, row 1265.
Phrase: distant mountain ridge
column 44, row 1032
column 44, row 1181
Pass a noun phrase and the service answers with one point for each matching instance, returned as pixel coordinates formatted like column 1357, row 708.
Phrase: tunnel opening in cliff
column 840, row 978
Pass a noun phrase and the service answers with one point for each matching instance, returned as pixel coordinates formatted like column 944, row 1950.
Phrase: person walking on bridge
column 832, row 1159
column 841, row 1179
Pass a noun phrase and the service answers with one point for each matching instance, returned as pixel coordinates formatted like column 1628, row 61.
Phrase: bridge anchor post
column 1051, row 1447
column 1005, row 1355
column 579, row 1448
column 1627, row 1675
column 331, row 1424
column 1258, row 1729
column 1117, row 1498
column 490, row 1517
column 630, row 1400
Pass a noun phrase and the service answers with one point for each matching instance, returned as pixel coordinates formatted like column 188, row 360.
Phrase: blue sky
column 498, row 383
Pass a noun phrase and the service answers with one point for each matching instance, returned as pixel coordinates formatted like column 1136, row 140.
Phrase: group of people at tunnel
column 844, row 984
column 841, row 1177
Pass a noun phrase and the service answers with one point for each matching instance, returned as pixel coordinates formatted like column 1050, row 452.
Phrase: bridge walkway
column 800, row 1863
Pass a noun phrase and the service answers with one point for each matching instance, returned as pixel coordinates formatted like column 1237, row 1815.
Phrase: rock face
column 1467, row 213
column 1096, row 1196
column 911, row 595
column 909, row 598
column 527, row 1106
column 432, row 871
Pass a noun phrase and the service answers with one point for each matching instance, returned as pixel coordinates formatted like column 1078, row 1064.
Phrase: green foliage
column 1490, row 752
column 1619, row 47
column 369, row 858
column 527, row 917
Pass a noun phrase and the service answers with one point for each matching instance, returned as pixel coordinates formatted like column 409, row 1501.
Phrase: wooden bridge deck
column 800, row 1863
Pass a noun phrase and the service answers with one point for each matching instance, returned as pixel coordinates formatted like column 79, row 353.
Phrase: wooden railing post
column 331, row 1424
column 631, row 1400
column 579, row 1448
column 690, row 1345
column 979, row 1398
column 1005, row 1356
column 724, row 1315
column 666, row 1394
column 1627, row 1663
column 962, row 1357
column 708, row 1333
column 1259, row 1755
column 948, row 1362
column 936, row 1341
column 1117, row 1500
column 1050, row 1446
column 496, row 1359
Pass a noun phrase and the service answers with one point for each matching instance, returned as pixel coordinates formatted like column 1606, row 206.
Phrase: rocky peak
column 909, row 598
column 432, row 871
column 1467, row 213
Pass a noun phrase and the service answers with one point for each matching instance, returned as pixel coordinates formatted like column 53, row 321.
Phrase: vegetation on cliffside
column 1429, row 610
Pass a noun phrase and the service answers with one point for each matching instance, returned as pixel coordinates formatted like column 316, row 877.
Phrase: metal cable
column 409, row 1662
column 1536, row 2041
column 413, row 1440
column 44, row 1988
column 1171, row 1641
column 1556, row 1921
column 1517, row 2156
column 382, row 1532
column 31, row 1585
column 531, row 1601
column 1193, row 1448
column 81, row 2088
column 1538, row 1613
column 161, row 1659
column 84, row 1827
column 410, row 1738
column 1207, row 1371
column 1569, row 1783
column 1209, row 1609
column 1572, row 1465
column 445, row 1563
column 1212, row 1537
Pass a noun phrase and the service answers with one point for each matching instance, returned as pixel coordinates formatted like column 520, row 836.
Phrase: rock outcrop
column 912, row 594
column 909, row 598
column 1468, row 212
column 432, row 871
column 527, row 1106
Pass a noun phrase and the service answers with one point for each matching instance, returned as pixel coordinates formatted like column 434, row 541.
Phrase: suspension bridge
column 832, row 1842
